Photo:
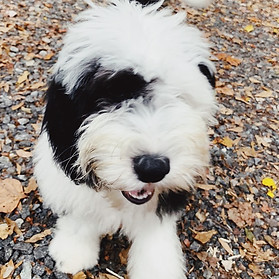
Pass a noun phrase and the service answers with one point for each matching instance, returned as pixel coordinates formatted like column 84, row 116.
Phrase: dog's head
column 130, row 101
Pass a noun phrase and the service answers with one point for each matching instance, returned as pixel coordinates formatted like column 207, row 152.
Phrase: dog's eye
column 209, row 74
column 121, row 86
column 107, row 88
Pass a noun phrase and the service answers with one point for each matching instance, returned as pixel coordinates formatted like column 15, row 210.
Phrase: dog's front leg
column 75, row 245
column 156, row 251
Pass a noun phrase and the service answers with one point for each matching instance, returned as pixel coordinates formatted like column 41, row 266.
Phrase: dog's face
column 130, row 101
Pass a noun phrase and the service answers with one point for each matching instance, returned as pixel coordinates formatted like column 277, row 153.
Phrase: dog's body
column 124, row 135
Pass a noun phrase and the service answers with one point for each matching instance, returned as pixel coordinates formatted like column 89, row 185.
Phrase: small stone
column 25, row 248
column 38, row 269
column 23, row 121
column 40, row 252
column 207, row 274
column 26, row 272
column 195, row 246
column 13, row 49
column 43, row 53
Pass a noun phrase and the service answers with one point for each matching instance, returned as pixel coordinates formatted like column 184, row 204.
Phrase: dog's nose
column 151, row 168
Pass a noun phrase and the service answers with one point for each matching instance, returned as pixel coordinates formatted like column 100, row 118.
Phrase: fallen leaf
column 24, row 154
column 15, row 107
column 37, row 85
column 226, row 141
column 10, row 194
column 271, row 241
column 206, row 187
column 7, row 227
column 79, row 275
column 264, row 94
column 49, row 56
column 204, row 237
column 225, row 244
column 39, row 236
column 4, row 231
column 32, row 186
column 249, row 235
column 242, row 215
column 225, row 90
column 233, row 61
column 23, row 77
column 269, row 182
column 249, row 28
column 7, row 270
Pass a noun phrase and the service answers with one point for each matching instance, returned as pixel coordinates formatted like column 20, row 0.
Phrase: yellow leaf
column 269, row 182
column 226, row 141
column 249, row 28
column 23, row 77
column 270, row 193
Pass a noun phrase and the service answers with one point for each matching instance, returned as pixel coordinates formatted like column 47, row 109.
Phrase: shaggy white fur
column 170, row 119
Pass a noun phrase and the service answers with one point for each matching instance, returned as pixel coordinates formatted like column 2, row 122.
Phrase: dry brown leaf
column 24, row 154
column 10, row 194
column 4, row 231
column 15, row 107
column 271, row 241
column 79, row 275
column 233, row 61
column 264, row 94
column 23, row 77
column 7, row 227
column 204, row 237
column 37, row 85
column 242, row 215
column 201, row 216
column 225, row 90
column 7, row 270
column 32, row 186
column 206, row 187
column 225, row 244
column 39, row 236
column 107, row 276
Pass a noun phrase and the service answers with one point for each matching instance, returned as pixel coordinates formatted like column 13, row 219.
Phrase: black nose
column 151, row 168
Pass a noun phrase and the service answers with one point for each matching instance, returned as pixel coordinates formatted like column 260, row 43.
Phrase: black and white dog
column 125, row 134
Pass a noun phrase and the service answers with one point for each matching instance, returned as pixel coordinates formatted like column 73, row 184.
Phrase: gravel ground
column 230, row 228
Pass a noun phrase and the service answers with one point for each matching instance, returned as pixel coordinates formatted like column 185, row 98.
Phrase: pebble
column 195, row 246
column 13, row 49
column 25, row 248
column 40, row 252
column 26, row 272
column 207, row 274
column 38, row 269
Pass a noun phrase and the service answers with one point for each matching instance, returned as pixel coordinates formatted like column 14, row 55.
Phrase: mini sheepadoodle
column 125, row 134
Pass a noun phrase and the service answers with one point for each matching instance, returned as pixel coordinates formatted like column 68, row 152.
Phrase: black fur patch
column 210, row 76
column 66, row 112
column 171, row 202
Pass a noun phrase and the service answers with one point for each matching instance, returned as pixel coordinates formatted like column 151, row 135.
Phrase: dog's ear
column 208, row 73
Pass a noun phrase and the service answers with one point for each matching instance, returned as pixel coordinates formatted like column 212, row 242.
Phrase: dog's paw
column 72, row 254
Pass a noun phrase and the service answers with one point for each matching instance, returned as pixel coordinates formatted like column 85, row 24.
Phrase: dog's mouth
column 140, row 196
